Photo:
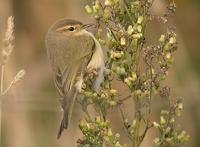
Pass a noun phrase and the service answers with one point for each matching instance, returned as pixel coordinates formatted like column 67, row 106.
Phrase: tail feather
column 68, row 105
column 63, row 125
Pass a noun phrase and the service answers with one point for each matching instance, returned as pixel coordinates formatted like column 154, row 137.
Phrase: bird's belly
column 96, row 63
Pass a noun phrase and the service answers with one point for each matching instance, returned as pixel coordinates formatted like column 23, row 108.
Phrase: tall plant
column 140, row 66
column 6, row 50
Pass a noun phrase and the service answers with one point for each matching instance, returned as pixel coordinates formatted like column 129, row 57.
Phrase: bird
column 72, row 51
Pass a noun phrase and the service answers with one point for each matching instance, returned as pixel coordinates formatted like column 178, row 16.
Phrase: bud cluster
column 6, row 50
column 8, row 40
column 97, row 133
column 141, row 67
column 170, row 134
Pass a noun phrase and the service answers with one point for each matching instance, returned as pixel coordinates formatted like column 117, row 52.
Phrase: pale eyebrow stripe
column 59, row 29
column 67, row 26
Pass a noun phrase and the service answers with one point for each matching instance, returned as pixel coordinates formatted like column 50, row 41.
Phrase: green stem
column 88, row 115
column 137, row 129
column 129, row 15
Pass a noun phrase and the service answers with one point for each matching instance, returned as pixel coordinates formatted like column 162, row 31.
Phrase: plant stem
column 7, row 89
column 2, row 77
column 137, row 130
column 124, row 123
column 129, row 15
column 1, row 92
column 151, row 89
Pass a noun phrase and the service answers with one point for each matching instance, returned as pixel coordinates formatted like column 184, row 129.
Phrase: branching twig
column 125, row 123
column 126, row 24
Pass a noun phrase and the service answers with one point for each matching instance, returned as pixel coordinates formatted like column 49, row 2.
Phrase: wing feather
column 69, row 57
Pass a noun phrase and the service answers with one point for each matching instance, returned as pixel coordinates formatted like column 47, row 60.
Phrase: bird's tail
column 64, row 124
column 68, row 108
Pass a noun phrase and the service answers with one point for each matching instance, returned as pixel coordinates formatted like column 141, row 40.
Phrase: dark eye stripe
column 66, row 29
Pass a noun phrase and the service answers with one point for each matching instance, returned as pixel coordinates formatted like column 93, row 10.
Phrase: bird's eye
column 71, row 29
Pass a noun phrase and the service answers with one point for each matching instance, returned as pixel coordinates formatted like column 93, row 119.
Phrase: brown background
column 31, row 112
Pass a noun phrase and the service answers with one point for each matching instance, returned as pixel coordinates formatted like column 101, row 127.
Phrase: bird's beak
column 87, row 25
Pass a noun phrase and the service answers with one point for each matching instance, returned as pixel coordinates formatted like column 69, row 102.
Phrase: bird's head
column 69, row 27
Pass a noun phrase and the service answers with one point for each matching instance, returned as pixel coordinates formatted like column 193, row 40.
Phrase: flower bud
column 140, row 20
column 168, row 56
column 81, row 123
column 117, row 144
column 180, row 106
column 134, row 43
column 162, row 120
column 164, row 112
column 182, row 135
column 88, row 9
column 156, row 141
column 107, row 3
column 162, row 39
column 104, row 95
column 168, row 139
column 94, row 94
column 96, row 7
column 172, row 40
column 179, row 109
column 166, row 47
column 137, row 36
column 117, row 135
column 116, row 54
column 120, row 71
column 167, row 130
column 113, row 91
column 139, row 28
column 130, row 30
column 134, row 76
column 106, row 13
column 112, row 103
column 138, row 93
column 109, row 133
column 129, row 81
column 155, row 124
column 123, row 41
column 98, row 119
column 136, row 3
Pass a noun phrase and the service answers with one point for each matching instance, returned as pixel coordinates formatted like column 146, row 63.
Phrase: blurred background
column 31, row 112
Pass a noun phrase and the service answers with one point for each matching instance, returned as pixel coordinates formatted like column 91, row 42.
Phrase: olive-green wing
column 65, row 84
column 69, row 58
